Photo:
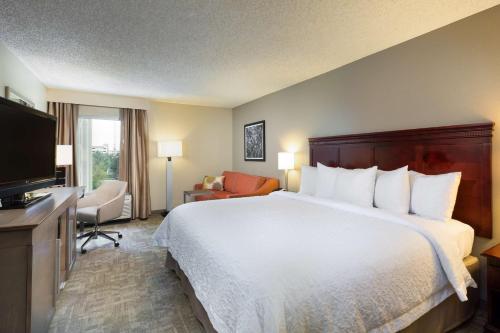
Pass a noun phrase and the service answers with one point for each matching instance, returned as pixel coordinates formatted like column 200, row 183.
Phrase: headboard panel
column 465, row 148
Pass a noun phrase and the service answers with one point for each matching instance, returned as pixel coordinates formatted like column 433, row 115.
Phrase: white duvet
column 295, row 263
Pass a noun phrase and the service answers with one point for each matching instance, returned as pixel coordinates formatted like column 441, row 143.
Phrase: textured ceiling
column 208, row 52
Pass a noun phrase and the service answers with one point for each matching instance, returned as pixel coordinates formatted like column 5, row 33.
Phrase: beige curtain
column 134, row 159
column 67, row 123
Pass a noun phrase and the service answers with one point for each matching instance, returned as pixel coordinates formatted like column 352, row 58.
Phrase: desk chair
column 102, row 205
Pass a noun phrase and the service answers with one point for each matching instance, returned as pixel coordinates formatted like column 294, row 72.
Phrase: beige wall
column 14, row 74
column 449, row 76
column 207, row 146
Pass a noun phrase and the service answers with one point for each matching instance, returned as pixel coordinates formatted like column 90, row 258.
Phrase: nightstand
column 493, row 289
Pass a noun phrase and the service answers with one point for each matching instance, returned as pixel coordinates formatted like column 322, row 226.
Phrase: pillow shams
column 325, row 181
column 352, row 186
column 308, row 180
column 355, row 186
column 435, row 196
column 401, row 191
column 392, row 190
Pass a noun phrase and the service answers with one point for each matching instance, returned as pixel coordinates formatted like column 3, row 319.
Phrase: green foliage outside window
column 104, row 166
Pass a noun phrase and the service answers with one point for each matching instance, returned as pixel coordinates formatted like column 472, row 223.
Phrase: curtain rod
column 101, row 106
column 110, row 107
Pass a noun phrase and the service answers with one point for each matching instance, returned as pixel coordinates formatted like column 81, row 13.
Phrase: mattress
column 288, row 263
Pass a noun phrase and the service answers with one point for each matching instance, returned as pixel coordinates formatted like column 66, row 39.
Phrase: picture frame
column 14, row 96
column 254, row 137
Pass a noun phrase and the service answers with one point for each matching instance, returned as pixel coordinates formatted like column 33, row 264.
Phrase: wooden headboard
column 465, row 148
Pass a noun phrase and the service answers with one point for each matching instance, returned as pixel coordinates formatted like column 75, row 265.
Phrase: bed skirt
column 446, row 316
column 198, row 309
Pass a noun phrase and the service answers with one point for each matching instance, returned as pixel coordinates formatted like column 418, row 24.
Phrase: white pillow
column 413, row 176
column 308, row 180
column 325, row 181
column 392, row 190
column 434, row 196
column 355, row 186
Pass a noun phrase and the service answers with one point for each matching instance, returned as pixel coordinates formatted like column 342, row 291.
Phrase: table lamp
column 64, row 158
column 285, row 162
column 169, row 149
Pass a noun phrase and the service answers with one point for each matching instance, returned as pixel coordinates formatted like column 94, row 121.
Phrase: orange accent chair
column 239, row 185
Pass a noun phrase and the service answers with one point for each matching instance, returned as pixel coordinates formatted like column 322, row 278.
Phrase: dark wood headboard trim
column 430, row 133
column 465, row 148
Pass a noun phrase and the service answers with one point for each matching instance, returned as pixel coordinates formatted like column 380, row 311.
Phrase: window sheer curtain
column 67, row 123
column 134, row 159
column 84, row 152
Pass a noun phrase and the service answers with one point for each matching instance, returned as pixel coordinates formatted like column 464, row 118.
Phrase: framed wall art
column 255, row 141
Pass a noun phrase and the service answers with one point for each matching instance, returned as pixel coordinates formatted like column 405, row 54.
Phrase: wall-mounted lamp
column 169, row 149
column 286, row 162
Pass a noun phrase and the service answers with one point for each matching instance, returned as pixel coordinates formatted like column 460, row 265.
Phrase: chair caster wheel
column 120, row 235
column 83, row 251
column 117, row 244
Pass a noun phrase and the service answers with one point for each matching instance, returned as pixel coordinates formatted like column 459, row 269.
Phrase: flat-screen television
column 28, row 149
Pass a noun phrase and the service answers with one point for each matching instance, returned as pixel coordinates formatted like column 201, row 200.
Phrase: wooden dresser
column 37, row 252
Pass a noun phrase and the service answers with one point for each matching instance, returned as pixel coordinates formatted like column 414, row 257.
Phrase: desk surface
column 31, row 217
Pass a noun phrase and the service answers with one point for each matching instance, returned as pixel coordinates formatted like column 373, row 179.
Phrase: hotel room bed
column 298, row 263
column 295, row 263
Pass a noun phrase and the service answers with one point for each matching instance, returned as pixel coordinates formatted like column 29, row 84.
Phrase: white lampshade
column 169, row 148
column 285, row 161
column 64, row 155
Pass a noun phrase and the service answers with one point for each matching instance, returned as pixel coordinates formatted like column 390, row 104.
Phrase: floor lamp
column 169, row 149
column 285, row 162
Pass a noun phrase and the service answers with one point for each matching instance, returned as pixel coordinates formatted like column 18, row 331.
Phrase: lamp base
column 61, row 176
column 164, row 212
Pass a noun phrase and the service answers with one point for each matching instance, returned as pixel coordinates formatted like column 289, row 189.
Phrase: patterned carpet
column 128, row 289
column 125, row 289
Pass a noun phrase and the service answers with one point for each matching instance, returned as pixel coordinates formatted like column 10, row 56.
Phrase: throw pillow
column 213, row 183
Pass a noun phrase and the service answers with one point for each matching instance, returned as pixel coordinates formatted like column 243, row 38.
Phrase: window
column 98, row 148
